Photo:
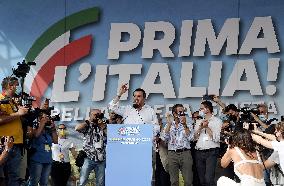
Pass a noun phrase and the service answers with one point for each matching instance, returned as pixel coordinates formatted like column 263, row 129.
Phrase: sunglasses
column 61, row 128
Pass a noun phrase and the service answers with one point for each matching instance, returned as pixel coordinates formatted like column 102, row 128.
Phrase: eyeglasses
column 61, row 128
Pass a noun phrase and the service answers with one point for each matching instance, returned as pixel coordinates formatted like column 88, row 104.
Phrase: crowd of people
column 245, row 144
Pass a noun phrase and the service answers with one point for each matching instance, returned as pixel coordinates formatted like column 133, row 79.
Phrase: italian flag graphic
column 53, row 48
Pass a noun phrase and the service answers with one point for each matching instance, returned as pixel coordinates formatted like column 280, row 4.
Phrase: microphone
column 135, row 104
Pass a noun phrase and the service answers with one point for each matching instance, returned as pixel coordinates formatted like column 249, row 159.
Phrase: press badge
column 47, row 147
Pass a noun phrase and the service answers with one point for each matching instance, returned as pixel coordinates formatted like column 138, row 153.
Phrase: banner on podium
column 129, row 155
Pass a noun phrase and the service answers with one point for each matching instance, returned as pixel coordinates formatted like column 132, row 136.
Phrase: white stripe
column 45, row 55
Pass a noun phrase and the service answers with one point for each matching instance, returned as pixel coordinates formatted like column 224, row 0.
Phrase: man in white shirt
column 179, row 133
column 275, row 142
column 138, row 113
column 207, row 134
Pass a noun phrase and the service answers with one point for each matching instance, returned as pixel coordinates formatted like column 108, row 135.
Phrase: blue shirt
column 177, row 138
column 41, row 148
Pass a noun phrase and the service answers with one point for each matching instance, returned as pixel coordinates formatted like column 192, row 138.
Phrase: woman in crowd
column 40, row 156
column 275, row 142
column 61, row 167
column 247, row 162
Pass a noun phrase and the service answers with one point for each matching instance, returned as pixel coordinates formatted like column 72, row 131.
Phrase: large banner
column 176, row 50
column 129, row 155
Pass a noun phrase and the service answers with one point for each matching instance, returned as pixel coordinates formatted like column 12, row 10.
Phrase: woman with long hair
column 247, row 162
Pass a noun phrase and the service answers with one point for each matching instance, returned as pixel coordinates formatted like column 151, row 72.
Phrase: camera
column 5, row 139
column 23, row 69
column 208, row 97
column 25, row 99
column 52, row 118
column 246, row 114
column 33, row 114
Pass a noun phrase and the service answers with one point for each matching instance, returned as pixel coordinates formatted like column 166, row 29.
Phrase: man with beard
column 139, row 112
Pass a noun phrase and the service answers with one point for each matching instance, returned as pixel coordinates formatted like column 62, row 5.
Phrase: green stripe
column 73, row 21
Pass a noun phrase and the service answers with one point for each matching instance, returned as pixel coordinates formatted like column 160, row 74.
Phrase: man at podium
column 138, row 112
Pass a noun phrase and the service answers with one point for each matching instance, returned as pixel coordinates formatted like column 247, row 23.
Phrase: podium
column 129, row 154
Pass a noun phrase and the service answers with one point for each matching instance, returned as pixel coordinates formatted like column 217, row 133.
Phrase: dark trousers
column 60, row 173
column 206, row 161
column 162, row 178
column 195, row 181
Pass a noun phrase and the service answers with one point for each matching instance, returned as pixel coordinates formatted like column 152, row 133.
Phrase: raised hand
column 123, row 89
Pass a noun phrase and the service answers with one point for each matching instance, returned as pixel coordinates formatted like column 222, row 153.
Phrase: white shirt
column 63, row 147
column 131, row 115
column 279, row 147
column 204, row 141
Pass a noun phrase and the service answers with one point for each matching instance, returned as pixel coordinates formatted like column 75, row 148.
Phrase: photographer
column 231, row 122
column 275, row 142
column 11, row 125
column 40, row 154
column 94, row 145
column 230, row 115
column 261, row 116
column 247, row 162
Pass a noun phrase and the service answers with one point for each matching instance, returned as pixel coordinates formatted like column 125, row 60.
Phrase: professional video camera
column 246, row 113
column 21, row 72
column 23, row 69
column 33, row 113
column 246, row 116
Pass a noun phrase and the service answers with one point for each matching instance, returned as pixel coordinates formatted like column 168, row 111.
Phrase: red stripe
column 64, row 57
